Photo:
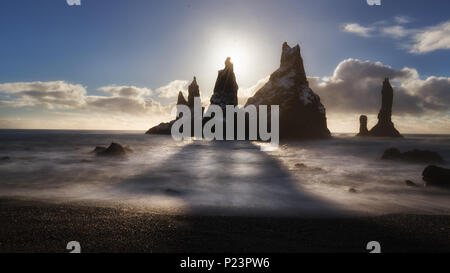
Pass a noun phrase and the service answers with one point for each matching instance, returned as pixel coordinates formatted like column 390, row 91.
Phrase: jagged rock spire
column 181, row 100
column 225, row 90
column 193, row 92
column 385, row 127
column 302, row 115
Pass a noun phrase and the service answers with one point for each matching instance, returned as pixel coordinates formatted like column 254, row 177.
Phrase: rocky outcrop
column 385, row 126
column 412, row 156
column 164, row 128
column 363, row 131
column 115, row 149
column 436, row 176
column 225, row 90
column 193, row 92
column 302, row 115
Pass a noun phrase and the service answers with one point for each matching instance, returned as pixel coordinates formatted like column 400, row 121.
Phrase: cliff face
column 225, row 90
column 385, row 126
column 302, row 115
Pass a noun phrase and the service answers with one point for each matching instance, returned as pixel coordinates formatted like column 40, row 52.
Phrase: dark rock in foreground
column 385, row 126
column 302, row 115
column 436, row 176
column 115, row 149
column 413, row 156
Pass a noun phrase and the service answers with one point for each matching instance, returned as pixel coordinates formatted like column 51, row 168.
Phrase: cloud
column 245, row 93
column 431, row 39
column 357, row 29
column 395, row 31
column 126, row 91
column 402, row 19
column 172, row 89
column 415, row 40
column 56, row 94
column 355, row 88
column 62, row 95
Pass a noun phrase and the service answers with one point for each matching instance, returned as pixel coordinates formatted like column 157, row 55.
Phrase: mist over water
column 221, row 177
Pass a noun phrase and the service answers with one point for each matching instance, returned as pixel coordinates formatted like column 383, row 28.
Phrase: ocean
column 221, row 178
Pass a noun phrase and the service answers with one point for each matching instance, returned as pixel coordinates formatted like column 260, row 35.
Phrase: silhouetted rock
column 409, row 183
column 413, row 156
column 225, row 90
column 302, row 115
column 301, row 166
column 363, row 131
column 164, row 128
column 99, row 149
column 385, row 127
column 181, row 100
column 115, row 149
column 5, row 158
column 436, row 176
column 193, row 92
column 352, row 190
column 392, row 154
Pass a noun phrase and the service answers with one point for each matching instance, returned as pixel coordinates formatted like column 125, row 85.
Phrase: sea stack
column 164, row 128
column 385, row 127
column 225, row 90
column 302, row 115
column 363, row 131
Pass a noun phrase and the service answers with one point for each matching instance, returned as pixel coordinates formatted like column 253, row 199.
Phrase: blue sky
column 149, row 44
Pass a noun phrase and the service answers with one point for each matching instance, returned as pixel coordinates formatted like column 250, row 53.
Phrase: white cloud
column 245, row 93
column 402, row 19
column 126, row 91
column 56, row 94
column 431, row 39
column 395, row 31
column 416, row 40
column 172, row 89
column 355, row 88
column 357, row 29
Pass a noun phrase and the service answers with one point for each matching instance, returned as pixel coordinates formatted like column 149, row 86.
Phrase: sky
column 119, row 64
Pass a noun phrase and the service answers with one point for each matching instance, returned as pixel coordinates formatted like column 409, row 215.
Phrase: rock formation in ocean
column 193, row 92
column 115, row 149
column 225, row 90
column 363, row 131
column 385, row 127
column 164, row 128
column 412, row 156
column 302, row 115
column 436, row 176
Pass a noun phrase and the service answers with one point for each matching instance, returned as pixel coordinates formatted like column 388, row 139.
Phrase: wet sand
column 36, row 226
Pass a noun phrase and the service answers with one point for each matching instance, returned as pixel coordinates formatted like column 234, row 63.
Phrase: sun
column 239, row 55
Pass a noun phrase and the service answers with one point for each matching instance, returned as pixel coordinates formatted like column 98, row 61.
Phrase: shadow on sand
column 222, row 178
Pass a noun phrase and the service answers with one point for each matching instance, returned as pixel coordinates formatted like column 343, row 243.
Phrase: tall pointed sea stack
column 225, row 90
column 385, row 127
column 193, row 92
column 164, row 128
column 302, row 115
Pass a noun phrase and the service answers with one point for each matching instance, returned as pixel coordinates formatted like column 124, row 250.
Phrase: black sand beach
column 35, row 226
